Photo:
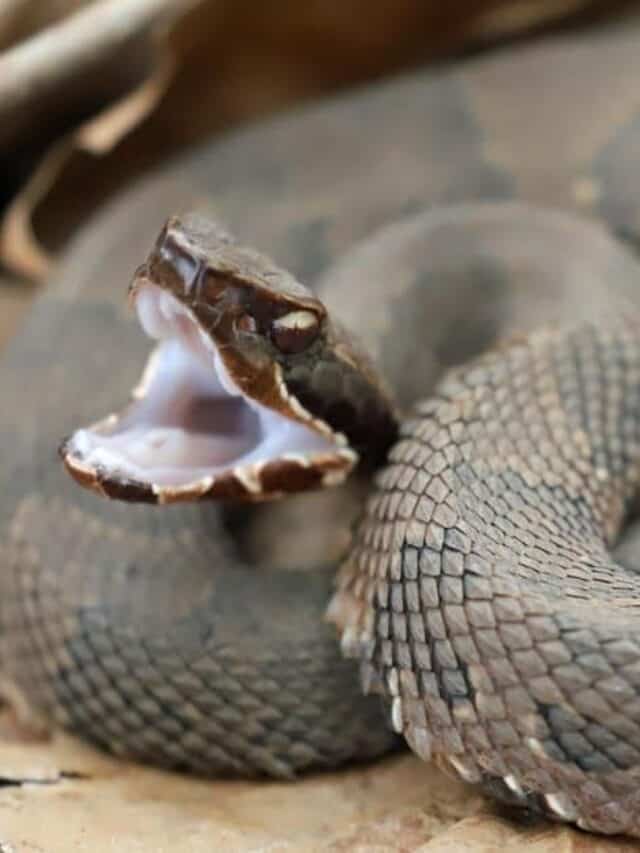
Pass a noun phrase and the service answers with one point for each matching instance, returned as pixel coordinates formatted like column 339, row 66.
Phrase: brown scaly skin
column 321, row 379
column 117, row 622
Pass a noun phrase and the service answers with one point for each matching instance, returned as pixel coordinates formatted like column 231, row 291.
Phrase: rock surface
column 59, row 796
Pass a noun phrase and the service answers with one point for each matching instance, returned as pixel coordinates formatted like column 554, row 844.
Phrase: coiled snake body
column 479, row 594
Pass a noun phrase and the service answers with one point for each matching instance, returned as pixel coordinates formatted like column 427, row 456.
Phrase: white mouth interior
column 189, row 420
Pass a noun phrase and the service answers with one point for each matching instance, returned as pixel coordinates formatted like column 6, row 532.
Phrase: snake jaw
column 253, row 391
column 191, row 432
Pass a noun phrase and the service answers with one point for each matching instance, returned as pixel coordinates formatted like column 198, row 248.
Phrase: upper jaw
column 190, row 432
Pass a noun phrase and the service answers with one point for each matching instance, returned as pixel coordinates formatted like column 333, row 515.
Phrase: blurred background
column 92, row 94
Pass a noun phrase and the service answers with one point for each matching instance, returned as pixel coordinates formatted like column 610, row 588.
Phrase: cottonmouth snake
column 480, row 593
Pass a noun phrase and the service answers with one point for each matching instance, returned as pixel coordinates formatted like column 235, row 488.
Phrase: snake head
column 252, row 390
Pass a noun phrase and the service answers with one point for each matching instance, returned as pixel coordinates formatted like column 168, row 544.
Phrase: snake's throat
column 190, row 432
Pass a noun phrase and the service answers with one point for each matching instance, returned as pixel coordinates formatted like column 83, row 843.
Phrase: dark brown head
column 251, row 392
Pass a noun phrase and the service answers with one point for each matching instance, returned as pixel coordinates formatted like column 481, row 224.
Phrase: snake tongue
column 190, row 431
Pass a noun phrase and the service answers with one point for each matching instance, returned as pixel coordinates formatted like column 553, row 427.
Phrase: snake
column 445, row 353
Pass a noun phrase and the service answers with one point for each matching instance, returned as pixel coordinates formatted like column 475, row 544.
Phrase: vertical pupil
column 295, row 331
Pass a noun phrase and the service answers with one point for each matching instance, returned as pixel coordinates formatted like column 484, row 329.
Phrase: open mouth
column 190, row 431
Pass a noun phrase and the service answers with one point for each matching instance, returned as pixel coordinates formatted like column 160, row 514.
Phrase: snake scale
column 482, row 595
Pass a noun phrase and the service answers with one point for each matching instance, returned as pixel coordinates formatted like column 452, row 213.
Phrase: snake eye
column 295, row 331
column 246, row 323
